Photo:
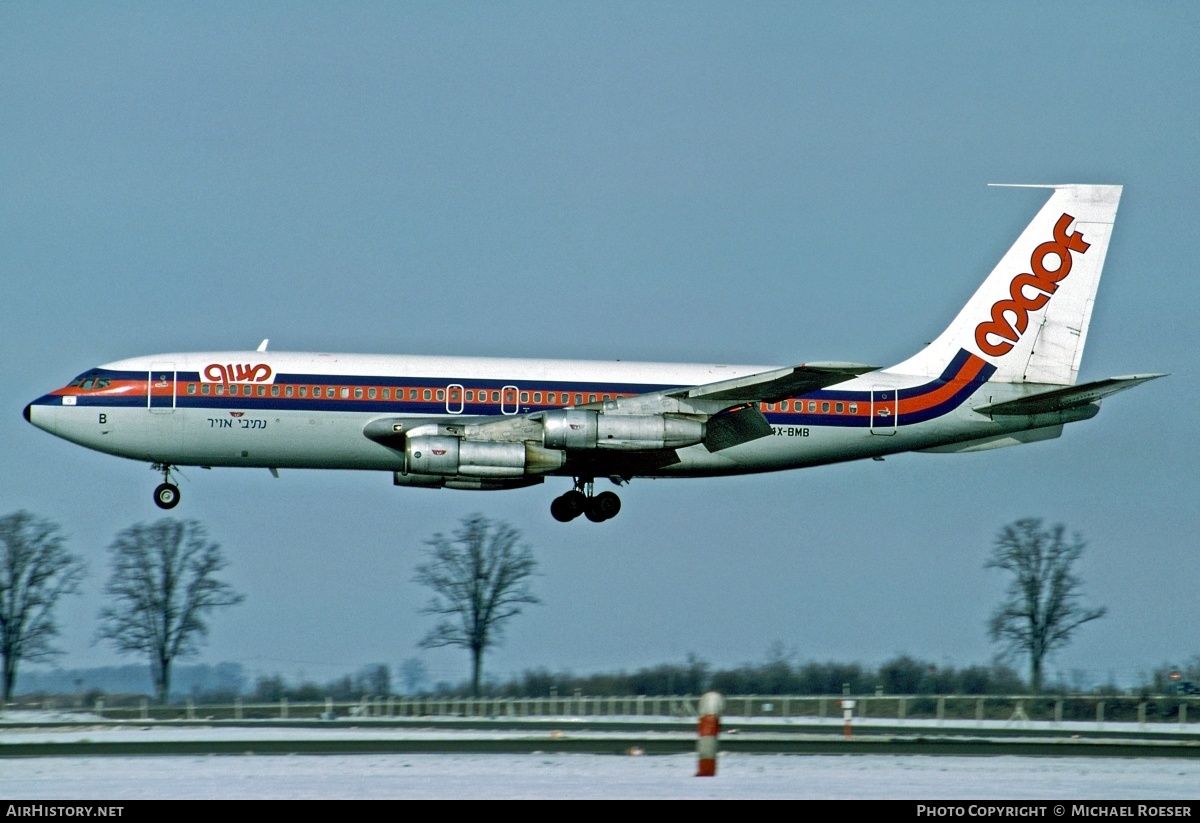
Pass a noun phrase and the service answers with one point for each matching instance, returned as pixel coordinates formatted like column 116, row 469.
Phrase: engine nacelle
column 433, row 481
column 585, row 429
column 446, row 456
column 569, row 429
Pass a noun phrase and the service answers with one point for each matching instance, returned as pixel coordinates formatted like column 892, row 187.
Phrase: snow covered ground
column 563, row 776
column 571, row 776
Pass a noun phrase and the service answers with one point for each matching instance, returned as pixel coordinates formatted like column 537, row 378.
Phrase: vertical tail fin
column 1030, row 317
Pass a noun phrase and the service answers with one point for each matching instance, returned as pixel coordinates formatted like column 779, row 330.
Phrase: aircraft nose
column 28, row 406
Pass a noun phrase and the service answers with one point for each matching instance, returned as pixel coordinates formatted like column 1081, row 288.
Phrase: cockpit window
column 90, row 381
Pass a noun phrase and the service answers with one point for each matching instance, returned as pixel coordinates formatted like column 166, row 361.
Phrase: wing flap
column 735, row 426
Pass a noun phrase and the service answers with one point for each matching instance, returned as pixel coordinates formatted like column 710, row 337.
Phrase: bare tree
column 1042, row 608
column 35, row 571
column 163, row 586
column 480, row 579
column 414, row 674
column 374, row 679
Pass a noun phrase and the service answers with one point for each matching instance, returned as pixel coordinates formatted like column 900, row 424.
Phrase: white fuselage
column 299, row 410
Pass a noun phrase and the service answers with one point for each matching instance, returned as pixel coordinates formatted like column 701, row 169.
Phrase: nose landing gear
column 166, row 493
column 580, row 500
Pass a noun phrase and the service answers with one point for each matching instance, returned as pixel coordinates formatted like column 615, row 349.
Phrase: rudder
column 1030, row 317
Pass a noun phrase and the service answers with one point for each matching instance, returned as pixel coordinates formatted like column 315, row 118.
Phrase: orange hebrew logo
column 236, row 373
column 1044, row 281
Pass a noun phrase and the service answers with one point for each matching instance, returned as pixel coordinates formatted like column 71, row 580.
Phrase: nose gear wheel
column 166, row 493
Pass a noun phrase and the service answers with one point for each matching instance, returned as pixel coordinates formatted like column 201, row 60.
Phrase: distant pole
column 847, row 714
column 711, row 704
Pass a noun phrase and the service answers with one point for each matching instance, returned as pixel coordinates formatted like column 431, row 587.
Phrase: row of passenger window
column 457, row 394
column 825, row 406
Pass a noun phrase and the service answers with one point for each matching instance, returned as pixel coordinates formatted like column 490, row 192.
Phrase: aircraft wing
column 1068, row 397
column 728, row 408
column 739, row 420
column 713, row 398
column 772, row 386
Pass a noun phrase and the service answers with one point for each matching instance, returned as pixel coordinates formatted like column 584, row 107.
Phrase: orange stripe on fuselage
column 947, row 390
column 114, row 387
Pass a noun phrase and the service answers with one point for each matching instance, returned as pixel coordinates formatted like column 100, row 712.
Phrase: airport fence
column 1056, row 709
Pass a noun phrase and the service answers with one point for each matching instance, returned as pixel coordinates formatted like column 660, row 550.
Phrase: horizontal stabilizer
column 1068, row 397
column 738, row 425
column 780, row 384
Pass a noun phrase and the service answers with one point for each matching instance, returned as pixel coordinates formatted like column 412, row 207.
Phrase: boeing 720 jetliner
column 1002, row 374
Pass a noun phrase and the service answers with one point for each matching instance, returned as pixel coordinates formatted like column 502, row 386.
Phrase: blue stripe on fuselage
column 491, row 408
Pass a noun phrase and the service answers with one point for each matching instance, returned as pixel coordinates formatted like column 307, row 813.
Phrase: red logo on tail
column 1043, row 280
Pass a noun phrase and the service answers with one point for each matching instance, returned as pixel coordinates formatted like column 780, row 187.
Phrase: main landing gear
column 166, row 493
column 580, row 500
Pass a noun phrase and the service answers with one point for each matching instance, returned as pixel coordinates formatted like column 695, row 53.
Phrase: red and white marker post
column 711, row 705
column 847, row 714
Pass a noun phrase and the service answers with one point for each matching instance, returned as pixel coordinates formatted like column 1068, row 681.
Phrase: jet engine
column 434, row 481
column 586, row 429
column 448, row 456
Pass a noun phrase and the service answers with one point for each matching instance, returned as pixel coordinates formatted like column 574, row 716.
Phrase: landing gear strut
column 166, row 493
column 580, row 500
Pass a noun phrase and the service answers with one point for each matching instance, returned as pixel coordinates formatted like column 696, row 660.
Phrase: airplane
column 1003, row 373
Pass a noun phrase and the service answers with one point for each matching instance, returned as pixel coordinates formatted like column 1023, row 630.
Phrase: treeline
column 220, row 683
column 225, row 682
column 86, row 684
column 370, row 681
column 902, row 675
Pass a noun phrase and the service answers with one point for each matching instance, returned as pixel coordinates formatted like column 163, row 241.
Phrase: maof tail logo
column 1043, row 280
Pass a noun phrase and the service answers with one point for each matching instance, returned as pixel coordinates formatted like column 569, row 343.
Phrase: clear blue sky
column 719, row 182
